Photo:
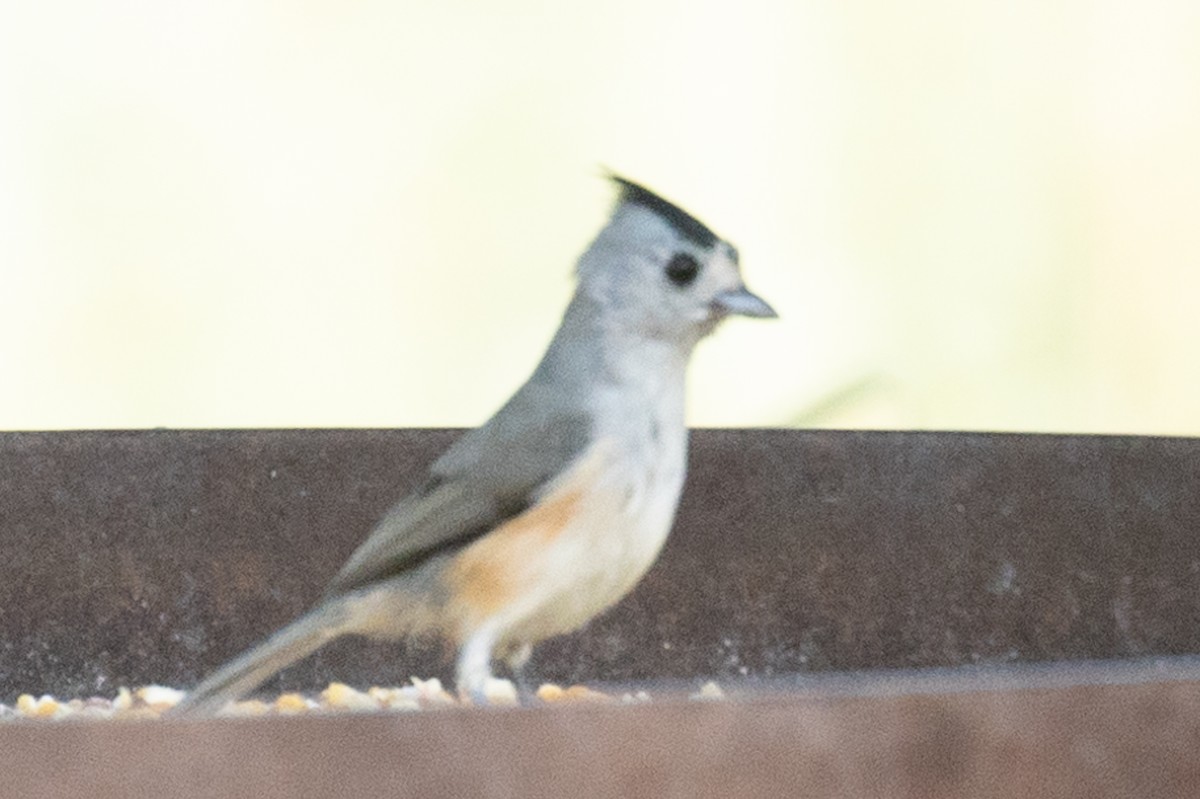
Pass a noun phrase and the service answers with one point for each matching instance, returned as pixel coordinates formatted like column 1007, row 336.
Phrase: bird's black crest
column 684, row 223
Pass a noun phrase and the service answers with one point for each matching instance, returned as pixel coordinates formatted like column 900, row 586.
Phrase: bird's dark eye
column 682, row 268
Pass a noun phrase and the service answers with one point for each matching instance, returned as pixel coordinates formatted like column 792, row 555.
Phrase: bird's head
column 658, row 271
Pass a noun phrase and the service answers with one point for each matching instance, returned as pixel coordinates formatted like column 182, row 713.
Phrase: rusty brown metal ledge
column 1132, row 739
column 150, row 556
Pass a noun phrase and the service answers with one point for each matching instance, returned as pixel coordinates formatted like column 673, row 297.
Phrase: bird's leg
column 474, row 665
column 516, row 661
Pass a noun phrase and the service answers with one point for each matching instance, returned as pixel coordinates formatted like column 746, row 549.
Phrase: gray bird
column 553, row 510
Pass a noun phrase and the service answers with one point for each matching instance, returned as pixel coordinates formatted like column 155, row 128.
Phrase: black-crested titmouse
column 549, row 513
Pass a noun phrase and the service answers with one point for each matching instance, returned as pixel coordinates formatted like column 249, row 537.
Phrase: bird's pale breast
column 582, row 546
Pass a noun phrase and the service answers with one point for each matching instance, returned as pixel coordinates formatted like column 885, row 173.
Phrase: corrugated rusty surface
column 151, row 556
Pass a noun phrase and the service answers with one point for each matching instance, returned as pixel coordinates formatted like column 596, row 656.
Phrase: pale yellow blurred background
column 977, row 215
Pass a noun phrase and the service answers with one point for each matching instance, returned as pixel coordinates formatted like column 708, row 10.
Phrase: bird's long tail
column 250, row 669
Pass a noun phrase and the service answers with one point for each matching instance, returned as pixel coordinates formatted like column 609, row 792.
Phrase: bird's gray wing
column 489, row 475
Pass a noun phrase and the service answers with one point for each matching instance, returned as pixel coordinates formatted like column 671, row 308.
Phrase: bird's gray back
column 488, row 476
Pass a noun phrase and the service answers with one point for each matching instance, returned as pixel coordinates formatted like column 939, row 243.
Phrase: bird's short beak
column 742, row 302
